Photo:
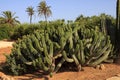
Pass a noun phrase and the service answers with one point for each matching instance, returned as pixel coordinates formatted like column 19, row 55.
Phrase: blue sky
column 61, row 9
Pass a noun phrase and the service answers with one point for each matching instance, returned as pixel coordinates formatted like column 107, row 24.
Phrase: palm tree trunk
column 46, row 19
column 30, row 19
column 118, row 15
column 118, row 31
column 118, row 24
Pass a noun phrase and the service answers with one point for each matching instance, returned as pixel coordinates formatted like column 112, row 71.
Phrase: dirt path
column 3, row 51
column 89, row 73
column 5, row 48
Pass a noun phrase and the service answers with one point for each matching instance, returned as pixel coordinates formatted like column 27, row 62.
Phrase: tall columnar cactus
column 103, row 24
column 70, row 43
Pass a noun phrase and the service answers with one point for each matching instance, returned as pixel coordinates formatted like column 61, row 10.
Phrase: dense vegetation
column 72, row 43
column 47, row 45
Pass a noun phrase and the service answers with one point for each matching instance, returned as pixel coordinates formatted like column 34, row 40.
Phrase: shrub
column 5, row 32
column 18, row 33
column 24, row 29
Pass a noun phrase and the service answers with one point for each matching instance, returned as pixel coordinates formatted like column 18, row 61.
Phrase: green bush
column 18, row 33
column 31, row 28
column 5, row 32
column 24, row 29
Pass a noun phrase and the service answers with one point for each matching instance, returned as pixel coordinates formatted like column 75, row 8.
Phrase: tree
column 118, row 15
column 43, row 9
column 118, row 29
column 9, row 18
column 30, row 11
column 118, row 24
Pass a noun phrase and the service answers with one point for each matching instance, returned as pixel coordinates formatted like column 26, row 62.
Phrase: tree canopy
column 9, row 18
column 44, row 9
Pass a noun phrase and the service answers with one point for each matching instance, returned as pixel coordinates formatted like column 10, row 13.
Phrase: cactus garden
column 70, row 43
column 48, row 47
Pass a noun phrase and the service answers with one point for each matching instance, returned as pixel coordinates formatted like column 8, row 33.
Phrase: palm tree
column 8, row 18
column 30, row 11
column 43, row 9
column 118, row 29
column 118, row 25
column 118, row 14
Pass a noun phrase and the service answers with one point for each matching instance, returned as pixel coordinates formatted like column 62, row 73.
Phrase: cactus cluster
column 70, row 43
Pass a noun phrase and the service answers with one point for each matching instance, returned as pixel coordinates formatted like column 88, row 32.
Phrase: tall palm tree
column 118, row 29
column 118, row 14
column 30, row 11
column 9, row 18
column 43, row 9
column 118, row 23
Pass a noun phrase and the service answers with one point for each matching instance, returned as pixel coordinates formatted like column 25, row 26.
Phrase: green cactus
column 66, row 58
column 103, row 24
column 77, row 62
column 81, row 53
column 68, row 43
column 59, row 65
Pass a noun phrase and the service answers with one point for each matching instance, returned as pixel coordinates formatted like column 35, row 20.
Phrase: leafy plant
column 5, row 32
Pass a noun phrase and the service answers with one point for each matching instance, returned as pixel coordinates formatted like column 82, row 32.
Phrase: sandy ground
column 89, row 73
column 4, row 44
column 5, row 48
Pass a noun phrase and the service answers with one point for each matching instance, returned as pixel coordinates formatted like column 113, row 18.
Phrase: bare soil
column 89, row 73
column 5, row 48
column 4, row 44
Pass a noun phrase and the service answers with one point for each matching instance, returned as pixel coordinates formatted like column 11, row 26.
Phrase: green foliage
column 5, row 32
column 9, row 18
column 30, row 10
column 18, row 33
column 44, row 10
column 106, row 24
column 94, row 21
column 70, row 43
column 24, row 29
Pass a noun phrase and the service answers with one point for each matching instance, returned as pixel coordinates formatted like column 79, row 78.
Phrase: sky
column 61, row 9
